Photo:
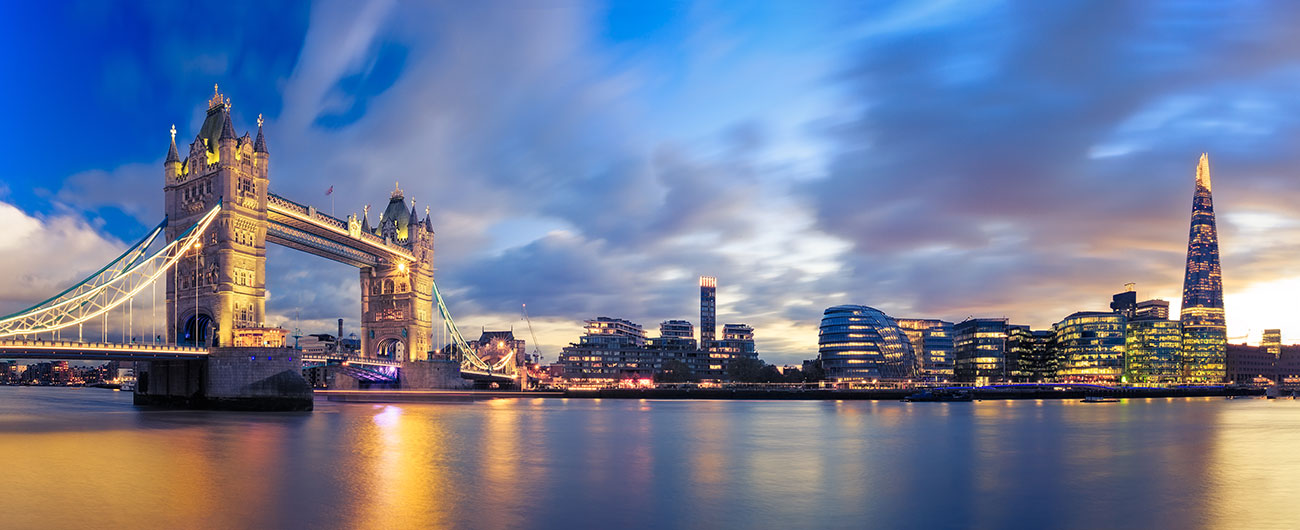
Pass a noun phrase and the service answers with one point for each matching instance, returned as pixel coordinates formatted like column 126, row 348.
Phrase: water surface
column 86, row 457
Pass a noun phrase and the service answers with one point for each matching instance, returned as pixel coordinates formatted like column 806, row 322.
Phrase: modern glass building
column 1153, row 347
column 1090, row 347
column 1205, row 336
column 931, row 345
column 980, row 350
column 1030, row 355
column 861, row 343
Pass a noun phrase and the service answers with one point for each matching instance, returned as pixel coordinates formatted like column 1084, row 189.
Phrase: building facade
column 980, row 350
column 931, row 346
column 859, row 343
column 1152, row 349
column 1090, row 347
column 1205, row 337
column 1031, row 356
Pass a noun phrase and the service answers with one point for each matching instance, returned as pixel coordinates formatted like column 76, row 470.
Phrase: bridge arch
column 392, row 349
column 197, row 330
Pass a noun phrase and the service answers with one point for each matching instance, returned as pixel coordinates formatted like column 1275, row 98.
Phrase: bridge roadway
column 96, row 351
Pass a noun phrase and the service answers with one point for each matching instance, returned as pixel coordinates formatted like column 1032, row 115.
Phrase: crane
column 537, row 353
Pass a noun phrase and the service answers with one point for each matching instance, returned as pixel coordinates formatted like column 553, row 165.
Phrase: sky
column 940, row 159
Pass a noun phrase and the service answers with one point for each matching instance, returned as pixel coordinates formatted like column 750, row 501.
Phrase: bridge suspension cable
column 110, row 287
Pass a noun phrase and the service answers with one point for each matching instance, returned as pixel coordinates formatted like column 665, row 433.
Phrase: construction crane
column 537, row 353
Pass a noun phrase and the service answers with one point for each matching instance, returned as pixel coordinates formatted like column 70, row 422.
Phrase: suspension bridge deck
column 96, row 351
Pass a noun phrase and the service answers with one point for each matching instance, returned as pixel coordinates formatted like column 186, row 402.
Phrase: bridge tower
column 221, row 286
column 397, row 295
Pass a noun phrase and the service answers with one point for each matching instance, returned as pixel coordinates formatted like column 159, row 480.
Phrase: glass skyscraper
column 857, row 342
column 1205, row 336
column 1090, row 347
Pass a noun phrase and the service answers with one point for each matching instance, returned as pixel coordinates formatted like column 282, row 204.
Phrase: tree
column 745, row 370
column 674, row 371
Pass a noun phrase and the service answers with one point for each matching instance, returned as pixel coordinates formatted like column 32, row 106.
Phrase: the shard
column 1205, row 337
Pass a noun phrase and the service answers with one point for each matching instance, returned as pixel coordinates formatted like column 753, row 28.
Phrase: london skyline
column 925, row 179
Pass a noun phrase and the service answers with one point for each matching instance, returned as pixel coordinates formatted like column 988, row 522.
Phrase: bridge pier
column 268, row 379
column 436, row 374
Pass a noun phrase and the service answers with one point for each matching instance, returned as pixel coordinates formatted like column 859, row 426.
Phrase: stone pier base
column 268, row 379
column 432, row 375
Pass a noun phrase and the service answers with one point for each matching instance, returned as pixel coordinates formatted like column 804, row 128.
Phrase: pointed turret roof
column 172, row 155
column 227, row 129
column 259, row 145
column 428, row 223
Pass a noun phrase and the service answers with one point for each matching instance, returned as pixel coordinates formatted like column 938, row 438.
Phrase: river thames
column 87, row 457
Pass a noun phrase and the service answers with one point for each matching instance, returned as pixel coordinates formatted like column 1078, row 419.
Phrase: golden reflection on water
column 1255, row 476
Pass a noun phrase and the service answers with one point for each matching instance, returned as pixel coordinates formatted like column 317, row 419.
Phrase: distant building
column 1125, row 303
column 1152, row 309
column 708, row 310
column 1272, row 341
column 1250, row 364
column 932, row 346
column 1205, row 336
column 612, row 348
column 980, row 350
column 1090, row 347
column 861, row 343
column 1031, row 356
column 677, row 329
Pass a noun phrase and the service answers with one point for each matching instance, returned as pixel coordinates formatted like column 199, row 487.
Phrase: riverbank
column 813, row 394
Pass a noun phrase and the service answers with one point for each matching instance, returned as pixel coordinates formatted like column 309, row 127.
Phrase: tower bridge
column 215, row 348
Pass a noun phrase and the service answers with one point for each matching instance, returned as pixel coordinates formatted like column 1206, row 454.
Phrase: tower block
column 397, row 295
column 219, row 288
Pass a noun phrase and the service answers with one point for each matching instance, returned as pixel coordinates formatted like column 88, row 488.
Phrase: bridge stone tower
column 220, row 286
column 397, row 295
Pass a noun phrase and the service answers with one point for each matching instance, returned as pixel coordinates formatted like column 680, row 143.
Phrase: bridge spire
column 259, row 145
column 172, row 155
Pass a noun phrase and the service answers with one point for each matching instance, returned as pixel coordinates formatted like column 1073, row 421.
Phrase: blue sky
column 937, row 159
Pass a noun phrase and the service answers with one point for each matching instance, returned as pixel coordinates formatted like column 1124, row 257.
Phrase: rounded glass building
column 860, row 342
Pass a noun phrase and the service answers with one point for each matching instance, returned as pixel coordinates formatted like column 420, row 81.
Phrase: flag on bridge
column 330, row 191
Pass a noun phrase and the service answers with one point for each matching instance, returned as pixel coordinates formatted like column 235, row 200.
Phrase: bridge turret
column 260, row 154
column 172, row 166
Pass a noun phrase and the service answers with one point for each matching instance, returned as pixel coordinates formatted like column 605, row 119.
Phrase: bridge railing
column 73, row 345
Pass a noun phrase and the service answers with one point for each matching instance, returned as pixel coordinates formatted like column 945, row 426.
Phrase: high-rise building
column 1205, row 337
column 1272, row 341
column 980, row 350
column 708, row 310
column 1125, row 303
column 1090, row 347
column 931, row 345
column 857, row 342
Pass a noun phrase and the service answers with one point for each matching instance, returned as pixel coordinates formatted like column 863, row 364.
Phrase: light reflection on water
column 85, row 457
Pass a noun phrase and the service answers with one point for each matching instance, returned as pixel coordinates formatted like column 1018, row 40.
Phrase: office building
column 1030, row 355
column 860, row 343
column 931, row 346
column 1152, row 349
column 1272, row 341
column 1090, row 347
column 980, row 350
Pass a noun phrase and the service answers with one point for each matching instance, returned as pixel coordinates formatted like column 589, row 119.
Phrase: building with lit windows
column 1031, row 356
column 1152, row 309
column 980, row 350
column 1205, row 336
column 931, row 346
column 611, row 348
column 677, row 329
column 708, row 310
column 1090, row 347
column 860, row 343
column 1272, row 341
column 1152, row 349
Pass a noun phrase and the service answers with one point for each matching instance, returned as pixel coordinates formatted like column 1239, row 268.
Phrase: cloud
column 41, row 256
column 968, row 178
